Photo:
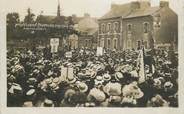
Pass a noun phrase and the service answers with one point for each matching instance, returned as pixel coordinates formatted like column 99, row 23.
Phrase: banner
column 66, row 73
column 70, row 74
column 141, row 66
column 99, row 51
column 63, row 73
column 54, row 42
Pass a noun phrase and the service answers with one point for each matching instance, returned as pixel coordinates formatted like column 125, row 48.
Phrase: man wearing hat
column 68, row 100
column 97, row 96
column 157, row 101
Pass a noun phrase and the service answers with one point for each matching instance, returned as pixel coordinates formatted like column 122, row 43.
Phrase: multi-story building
column 127, row 26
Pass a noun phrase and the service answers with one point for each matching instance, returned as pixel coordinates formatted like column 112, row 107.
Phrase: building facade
column 129, row 25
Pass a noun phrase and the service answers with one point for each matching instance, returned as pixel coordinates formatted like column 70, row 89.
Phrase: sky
column 96, row 8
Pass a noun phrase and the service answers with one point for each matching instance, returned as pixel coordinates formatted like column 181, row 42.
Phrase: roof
column 118, row 11
column 128, row 10
column 143, row 12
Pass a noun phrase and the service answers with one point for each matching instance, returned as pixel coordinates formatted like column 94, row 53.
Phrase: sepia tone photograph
column 84, row 53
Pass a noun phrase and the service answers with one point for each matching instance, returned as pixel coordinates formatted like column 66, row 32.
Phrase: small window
column 103, row 28
column 109, row 27
column 115, row 43
column 86, row 43
column 108, row 43
column 146, row 27
column 138, row 44
column 116, row 27
column 129, row 27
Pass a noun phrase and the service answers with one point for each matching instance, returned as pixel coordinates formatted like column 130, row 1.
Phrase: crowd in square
column 35, row 79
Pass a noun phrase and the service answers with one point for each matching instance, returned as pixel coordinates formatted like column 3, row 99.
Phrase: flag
column 140, row 64
column 63, row 73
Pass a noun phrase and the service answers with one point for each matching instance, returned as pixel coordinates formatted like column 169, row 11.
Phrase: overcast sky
column 95, row 8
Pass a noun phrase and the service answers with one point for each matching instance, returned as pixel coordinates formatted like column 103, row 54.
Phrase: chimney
column 135, row 5
column 164, row 4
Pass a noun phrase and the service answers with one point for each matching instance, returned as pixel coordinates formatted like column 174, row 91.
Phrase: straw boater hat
column 30, row 92
column 47, row 103
column 115, row 99
column 71, row 79
column 28, row 104
column 82, row 87
column 129, row 99
column 15, row 88
column 118, row 76
column 50, row 73
column 157, row 82
column 69, row 93
column 167, row 74
column 106, row 77
column 93, row 74
column 57, row 80
column 150, row 75
column 48, row 80
column 54, row 86
column 97, row 94
column 112, row 89
column 99, row 80
column 158, row 101
column 31, row 80
column 168, row 85
column 132, row 90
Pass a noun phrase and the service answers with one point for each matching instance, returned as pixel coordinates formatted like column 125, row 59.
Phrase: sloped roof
column 127, row 10
column 118, row 11
column 143, row 12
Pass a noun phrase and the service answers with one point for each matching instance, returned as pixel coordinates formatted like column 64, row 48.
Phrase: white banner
column 63, row 73
column 66, row 73
column 54, row 42
column 99, row 51
column 141, row 67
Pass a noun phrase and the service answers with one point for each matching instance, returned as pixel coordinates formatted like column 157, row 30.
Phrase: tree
column 29, row 18
column 12, row 20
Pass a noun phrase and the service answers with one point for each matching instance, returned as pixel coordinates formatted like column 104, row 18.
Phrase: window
column 116, row 27
column 146, row 27
column 109, row 27
column 129, row 27
column 115, row 43
column 138, row 44
column 108, row 43
column 86, row 43
column 103, row 28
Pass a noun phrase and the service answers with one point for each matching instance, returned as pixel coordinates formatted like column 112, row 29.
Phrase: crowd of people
column 35, row 78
